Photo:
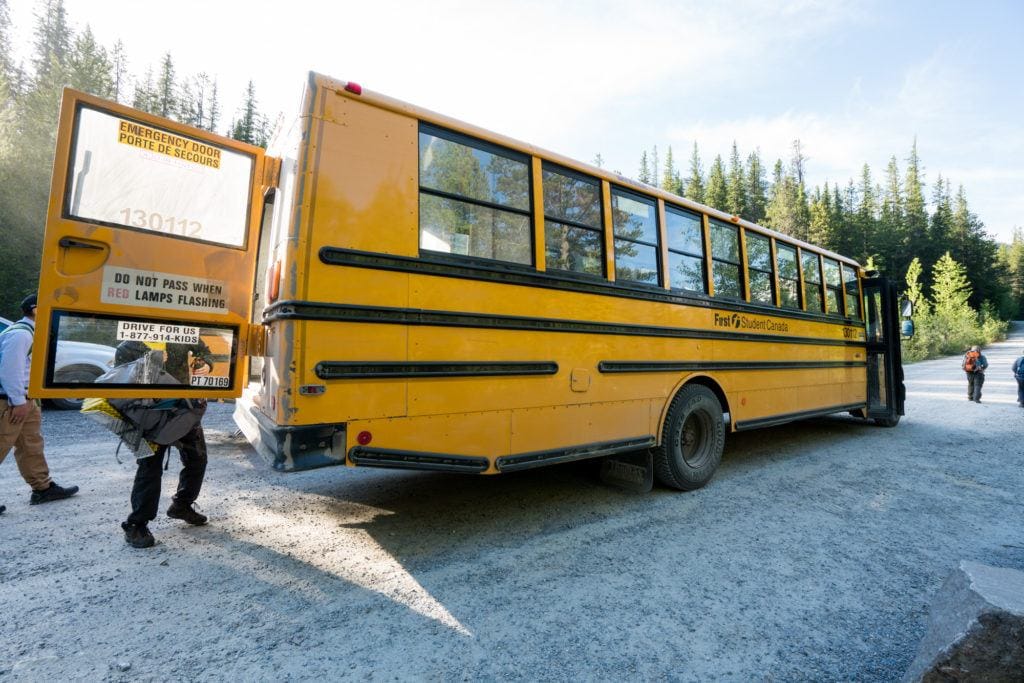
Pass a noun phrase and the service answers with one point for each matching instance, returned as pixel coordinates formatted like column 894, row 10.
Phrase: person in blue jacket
column 1018, row 374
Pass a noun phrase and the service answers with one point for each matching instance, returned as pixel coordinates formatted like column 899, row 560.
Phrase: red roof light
column 354, row 88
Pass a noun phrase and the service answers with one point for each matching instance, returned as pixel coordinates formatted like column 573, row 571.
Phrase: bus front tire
column 887, row 421
column 691, row 441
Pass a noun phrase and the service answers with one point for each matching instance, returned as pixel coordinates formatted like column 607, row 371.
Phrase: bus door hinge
column 271, row 172
column 257, row 340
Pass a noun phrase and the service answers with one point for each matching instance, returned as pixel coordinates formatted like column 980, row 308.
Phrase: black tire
column 85, row 375
column 691, row 441
column 887, row 421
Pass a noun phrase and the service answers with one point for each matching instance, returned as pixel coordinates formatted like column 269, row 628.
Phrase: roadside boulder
column 976, row 628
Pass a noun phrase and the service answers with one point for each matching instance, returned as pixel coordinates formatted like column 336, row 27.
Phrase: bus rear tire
column 691, row 441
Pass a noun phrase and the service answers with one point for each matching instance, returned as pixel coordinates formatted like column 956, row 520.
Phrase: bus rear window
column 474, row 199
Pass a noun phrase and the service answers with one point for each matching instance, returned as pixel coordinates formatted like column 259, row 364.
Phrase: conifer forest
column 916, row 229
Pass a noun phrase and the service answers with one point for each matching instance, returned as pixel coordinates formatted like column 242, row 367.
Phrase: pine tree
column 940, row 229
column 166, row 91
column 891, row 234
column 119, row 59
column 655, row 169
column 695, row 181
column 6, row 58
column 736, row 186
column 670, row 181
column 822, row 228
column 716, row 194
column 757, row 188
column 213, row 111
column 865, row 222
column 645, row 169
column 53, row 39
column 89, row 67
column 250, row 126
column 915, row 216
column 145, row 97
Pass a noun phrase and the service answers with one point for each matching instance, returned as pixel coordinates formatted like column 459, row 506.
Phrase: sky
column 855, row 81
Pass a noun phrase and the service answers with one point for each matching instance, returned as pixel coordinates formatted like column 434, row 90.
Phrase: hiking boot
column 54, row 492
column 137, row 535
column 2, row 508
column 186, row 513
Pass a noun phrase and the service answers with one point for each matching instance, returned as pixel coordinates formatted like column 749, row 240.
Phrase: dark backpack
column 163, row 422
column 1019, row 374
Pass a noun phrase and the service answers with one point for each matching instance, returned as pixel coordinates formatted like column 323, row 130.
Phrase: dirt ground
column 812, row 555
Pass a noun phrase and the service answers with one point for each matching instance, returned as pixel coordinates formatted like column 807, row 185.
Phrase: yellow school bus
column 390, row 287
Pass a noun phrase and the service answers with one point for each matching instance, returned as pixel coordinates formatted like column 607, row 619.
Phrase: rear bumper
column 291, row 448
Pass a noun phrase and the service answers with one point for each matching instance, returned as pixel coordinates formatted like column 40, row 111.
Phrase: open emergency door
column 149, row 257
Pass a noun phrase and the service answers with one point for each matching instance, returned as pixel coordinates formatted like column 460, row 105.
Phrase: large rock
column 976, row 629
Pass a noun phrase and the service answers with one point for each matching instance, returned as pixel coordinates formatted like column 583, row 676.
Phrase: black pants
column 146, row 490
column 974, row 382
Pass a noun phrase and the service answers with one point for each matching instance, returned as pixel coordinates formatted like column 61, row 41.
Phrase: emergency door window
column 128, row 351
column 126, row 173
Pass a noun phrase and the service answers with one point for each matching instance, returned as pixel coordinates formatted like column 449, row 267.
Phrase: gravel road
column 812, row 555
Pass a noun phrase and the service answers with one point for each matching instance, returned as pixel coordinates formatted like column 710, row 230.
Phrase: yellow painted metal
column 709, row 276
column 537, row 224
column 663, row 245
column 777, row 297
column 609, row 230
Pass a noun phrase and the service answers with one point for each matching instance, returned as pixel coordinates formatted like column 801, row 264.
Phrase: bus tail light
column 364, row 438
column 274, row 282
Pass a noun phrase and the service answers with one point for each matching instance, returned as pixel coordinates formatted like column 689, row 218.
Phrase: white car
column 76, row 362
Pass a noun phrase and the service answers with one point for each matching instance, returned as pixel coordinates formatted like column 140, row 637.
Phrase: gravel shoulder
column 812, row 555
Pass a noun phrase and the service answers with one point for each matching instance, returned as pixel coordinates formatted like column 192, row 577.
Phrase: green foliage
column 735, row 185
column 946, row 324
column 716, row 194
column 695, row 181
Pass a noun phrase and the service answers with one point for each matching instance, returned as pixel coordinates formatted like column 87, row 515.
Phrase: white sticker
column 210, row 381
column 151, row 289
column 157, row 332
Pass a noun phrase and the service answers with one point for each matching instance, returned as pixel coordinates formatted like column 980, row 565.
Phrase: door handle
column 71, row 242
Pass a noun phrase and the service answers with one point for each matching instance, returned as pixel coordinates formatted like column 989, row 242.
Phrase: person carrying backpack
column 1018, row 374
column 974, row 364
column 180, row 361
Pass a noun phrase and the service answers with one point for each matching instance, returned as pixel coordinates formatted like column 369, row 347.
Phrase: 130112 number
column 172, row 225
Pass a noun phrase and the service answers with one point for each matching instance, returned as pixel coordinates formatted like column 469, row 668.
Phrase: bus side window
column 833, row 287
column 573, row 231
column 474, row 198
column 636, row 238
column 812, row 282
column 725, row 261
column 852, row 287
column 789, row 275
column 759, row 261
column 685, row 250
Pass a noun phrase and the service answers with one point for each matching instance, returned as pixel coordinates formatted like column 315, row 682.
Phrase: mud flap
column 629, row 471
